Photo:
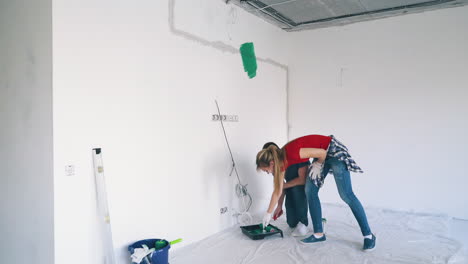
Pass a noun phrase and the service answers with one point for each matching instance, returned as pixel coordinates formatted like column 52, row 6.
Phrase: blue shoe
column 313, row 239
column 369, row 243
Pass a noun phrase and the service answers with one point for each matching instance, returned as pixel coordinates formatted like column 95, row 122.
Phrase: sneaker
column 369, row 243
column 301, row 230
column 313, row 239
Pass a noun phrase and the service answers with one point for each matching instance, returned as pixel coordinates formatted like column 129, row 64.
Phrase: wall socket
column 223, row 210
column 70, row 170
column 225, row 118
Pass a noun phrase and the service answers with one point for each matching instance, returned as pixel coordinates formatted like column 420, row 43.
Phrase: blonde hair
column 269, row 154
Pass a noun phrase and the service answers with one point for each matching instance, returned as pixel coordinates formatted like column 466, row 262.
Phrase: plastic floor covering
column 402, row 237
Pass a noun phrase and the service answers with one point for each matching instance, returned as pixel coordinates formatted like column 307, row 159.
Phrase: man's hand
column 278, row 212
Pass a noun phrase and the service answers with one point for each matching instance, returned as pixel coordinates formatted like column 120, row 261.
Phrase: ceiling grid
column 295, row 15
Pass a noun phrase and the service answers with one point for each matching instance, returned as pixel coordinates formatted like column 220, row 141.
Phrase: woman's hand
column 315, row 169
column 266, row 220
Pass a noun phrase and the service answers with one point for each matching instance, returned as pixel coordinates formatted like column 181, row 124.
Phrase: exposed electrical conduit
column 244, row 217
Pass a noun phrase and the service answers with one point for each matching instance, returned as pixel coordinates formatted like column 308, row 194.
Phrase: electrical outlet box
column 70, row 170
column 223, row 210
column 225, row 118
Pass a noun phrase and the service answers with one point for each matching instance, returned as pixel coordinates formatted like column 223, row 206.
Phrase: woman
column 296, row 200
column 329, row 155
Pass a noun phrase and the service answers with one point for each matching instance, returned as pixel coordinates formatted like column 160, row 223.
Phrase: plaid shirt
column 338, row 150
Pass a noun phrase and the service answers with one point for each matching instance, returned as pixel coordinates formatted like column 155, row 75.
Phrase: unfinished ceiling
column 293, row 15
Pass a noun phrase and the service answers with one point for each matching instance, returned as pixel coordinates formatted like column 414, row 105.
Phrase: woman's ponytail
column 275, row 154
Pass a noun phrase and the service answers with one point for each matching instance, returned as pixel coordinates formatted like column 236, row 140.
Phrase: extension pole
column 103, row 209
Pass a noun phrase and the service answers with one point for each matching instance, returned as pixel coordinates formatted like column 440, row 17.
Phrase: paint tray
column 255, row 231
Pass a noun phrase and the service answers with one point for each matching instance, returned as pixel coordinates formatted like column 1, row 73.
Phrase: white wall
column 126, row 81
column 26, row 170
column 395, row 91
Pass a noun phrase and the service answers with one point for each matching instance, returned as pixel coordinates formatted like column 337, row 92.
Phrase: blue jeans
column 343, row 183
column 296, row 200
